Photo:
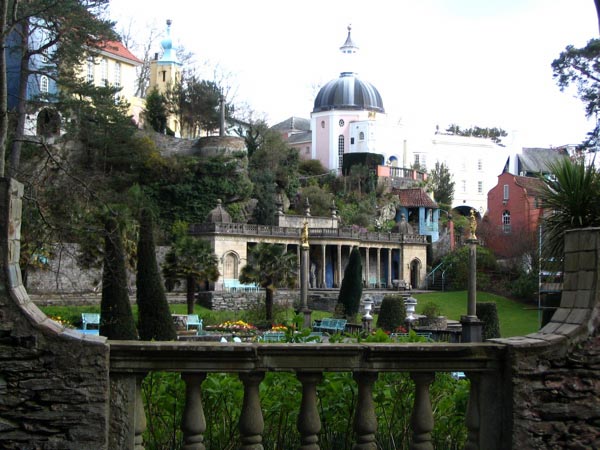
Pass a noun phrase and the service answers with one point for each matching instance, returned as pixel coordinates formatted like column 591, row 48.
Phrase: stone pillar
column 472, row 419
column 251, row 423
column 304, row 274
column 193, row 422
column 471, row 325
column 309, row 422
column 367, row 267
column 365, row 420
column 422, row 415
column 140, row 416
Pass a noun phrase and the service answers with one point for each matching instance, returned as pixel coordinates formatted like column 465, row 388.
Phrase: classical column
column 389, row 277
column 378, row 266
column 251, row 423
column 422, row 416
column 367, row 268
column 309, row 422
column 365, row 420
column 324, row 266
column 339, row 265
column 193, row 422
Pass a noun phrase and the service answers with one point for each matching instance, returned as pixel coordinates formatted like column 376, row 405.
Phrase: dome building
column 344, row 116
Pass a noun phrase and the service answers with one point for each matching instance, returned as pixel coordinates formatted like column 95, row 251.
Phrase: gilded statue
column 305, row 235
column 473, row 224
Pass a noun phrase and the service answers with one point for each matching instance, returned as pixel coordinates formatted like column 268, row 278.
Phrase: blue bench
column 90, row 323
column 193, row 321
column 233, row 285
column 273, row 336
column 330, row 325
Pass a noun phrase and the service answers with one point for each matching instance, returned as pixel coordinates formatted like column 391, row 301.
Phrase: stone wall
column 554, row 375
column 53, row 382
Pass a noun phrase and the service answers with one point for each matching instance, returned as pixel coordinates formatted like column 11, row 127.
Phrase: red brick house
column 513, row 213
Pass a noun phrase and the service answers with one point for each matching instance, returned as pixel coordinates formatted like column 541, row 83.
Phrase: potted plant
column 432, row 318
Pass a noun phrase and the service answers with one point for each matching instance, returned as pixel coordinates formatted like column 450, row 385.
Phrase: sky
column 434, row 62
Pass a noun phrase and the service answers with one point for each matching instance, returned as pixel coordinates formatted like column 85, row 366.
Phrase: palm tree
column 270, row 266
column 193, row 260
column 571, row 199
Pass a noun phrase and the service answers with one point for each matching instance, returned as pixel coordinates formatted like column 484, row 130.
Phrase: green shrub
column 392, row 313
column 431, row 310
column 351, row 289
column 487, row 312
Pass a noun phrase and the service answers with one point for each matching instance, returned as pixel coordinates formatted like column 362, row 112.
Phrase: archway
column 415, row 273
column 48, row 123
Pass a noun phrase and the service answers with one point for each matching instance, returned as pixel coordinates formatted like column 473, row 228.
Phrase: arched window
column 44, row 83
column 361, row 136
column 506, row 222
column 340, row 151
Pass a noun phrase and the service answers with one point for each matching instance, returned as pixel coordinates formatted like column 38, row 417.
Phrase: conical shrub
column 154, row 316
column 116, row 317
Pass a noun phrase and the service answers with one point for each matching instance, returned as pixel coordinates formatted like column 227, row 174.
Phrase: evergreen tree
column 441, row 183
column 155, row 112
column 352, row 285
column 116, row 320
column 154, row 316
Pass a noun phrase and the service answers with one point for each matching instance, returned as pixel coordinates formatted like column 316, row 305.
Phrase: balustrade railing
column 130, row 361
column 314, row 233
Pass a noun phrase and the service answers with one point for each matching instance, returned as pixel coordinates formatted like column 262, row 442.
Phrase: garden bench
column 330, row 325
column 88, row 319
column 233, row 285
column 273, row 336
column 194, row 321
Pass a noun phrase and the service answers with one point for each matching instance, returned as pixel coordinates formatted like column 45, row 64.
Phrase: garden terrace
column 62, row 389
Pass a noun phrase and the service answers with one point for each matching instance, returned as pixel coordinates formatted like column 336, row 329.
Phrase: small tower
column 165, row 72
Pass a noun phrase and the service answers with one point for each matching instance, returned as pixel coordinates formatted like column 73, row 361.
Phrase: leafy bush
column 431, row 310
column 392, row 313
column 487, row 312
column 525, row 287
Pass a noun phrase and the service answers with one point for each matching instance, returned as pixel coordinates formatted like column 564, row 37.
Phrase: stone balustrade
column 131, row 361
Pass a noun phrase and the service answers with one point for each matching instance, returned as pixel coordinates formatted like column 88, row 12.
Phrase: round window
column 341, row 122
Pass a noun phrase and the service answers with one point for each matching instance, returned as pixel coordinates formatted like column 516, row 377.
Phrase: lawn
column 516, row 318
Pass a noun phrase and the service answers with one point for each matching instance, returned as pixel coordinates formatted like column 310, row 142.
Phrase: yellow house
column 113, row 64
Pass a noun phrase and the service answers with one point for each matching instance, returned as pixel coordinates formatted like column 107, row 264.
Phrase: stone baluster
column 472, row 420
column 365, row 420
column 309, row 423
column 422, row 415
column 140, row 416
column 251, row 423
column 193, row 422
